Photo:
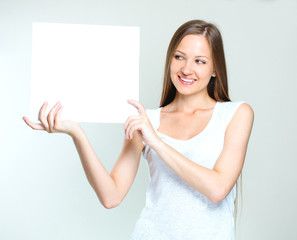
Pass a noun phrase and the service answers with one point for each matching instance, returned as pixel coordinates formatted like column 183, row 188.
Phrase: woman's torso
column 182, row 124
column 174, row 210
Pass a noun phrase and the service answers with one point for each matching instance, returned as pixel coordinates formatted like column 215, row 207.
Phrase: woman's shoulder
column 234, row 105
column 154, row 116
column 153, row 112
column 229, row 109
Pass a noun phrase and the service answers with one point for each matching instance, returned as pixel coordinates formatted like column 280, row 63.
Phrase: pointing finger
column 138, row 105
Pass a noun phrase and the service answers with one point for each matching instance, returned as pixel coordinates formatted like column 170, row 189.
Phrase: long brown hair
column 218, row 85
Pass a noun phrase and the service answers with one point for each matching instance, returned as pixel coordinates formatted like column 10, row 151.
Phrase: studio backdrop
column 44, row 193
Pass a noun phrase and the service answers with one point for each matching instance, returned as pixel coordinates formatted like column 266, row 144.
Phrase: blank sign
column 91, row 69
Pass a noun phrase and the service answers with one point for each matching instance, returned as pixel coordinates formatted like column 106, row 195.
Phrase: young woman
column 195, row 144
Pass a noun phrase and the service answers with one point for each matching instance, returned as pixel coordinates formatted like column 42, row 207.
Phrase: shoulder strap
column 229, row 110
column 154, row 116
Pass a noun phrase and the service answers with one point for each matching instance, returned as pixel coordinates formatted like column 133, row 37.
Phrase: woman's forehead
column 194, row 45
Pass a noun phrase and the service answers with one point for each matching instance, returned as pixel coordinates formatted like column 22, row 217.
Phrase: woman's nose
column 187, row 68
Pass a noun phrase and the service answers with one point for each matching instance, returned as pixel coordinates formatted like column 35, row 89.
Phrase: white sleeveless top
column 174, row 210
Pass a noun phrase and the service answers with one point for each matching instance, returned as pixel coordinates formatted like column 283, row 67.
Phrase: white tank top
column 174, row 210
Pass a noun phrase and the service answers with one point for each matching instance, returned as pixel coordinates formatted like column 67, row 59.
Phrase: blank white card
column 91, row 69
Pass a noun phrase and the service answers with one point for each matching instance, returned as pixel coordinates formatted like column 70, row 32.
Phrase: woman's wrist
column 76, row 132
column 157, row 145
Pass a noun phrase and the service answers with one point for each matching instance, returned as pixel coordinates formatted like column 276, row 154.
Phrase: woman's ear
column 214, row 74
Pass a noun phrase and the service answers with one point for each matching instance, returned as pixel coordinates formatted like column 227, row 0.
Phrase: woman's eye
column 200, row 61
column 178, row 57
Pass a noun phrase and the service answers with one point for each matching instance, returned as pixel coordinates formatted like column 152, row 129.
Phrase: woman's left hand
column 142, row 125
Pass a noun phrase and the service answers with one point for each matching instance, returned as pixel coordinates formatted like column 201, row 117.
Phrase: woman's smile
column 186, row 81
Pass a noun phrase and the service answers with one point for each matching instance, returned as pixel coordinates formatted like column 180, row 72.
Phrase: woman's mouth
column 186, row 81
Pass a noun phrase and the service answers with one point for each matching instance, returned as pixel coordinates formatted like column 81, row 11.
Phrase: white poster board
column 91, row 69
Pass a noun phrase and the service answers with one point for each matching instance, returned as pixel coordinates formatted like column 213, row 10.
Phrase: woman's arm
column 214, row 183
column 110, row 188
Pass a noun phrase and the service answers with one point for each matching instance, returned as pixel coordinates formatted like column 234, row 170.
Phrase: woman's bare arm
column 214, row 183
column 110, row 188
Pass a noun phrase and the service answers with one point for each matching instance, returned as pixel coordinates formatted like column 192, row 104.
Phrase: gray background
column 43, row 191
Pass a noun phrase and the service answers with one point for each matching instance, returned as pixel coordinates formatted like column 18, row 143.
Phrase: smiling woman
column 199, row 150
column 195, row 144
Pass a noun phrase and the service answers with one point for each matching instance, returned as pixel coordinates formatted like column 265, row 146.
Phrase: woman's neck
column 191, row 104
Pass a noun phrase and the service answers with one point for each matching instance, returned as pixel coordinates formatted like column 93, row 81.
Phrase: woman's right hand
column 52, row 123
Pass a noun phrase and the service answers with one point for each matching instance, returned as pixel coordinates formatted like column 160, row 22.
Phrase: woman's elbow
column 110, row 204
column 216, row 199
column 110, row 200
column 218, row 195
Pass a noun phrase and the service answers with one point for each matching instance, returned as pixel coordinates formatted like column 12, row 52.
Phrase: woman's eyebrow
column 195, row 56
column 180, row 52
column 201, row 56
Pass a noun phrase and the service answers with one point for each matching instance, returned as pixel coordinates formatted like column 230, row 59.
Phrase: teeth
column 187, row 80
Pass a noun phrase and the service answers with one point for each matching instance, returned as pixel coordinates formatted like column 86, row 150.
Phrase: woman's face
column 192, row 66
